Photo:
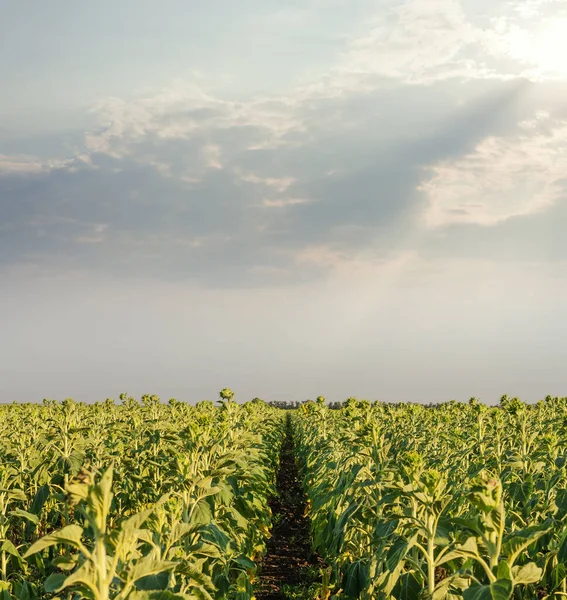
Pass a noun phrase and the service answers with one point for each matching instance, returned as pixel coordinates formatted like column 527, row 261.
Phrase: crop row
column 135, row 501
column 461, row 501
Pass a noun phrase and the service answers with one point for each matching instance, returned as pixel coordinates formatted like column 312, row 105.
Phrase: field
column 169, row 501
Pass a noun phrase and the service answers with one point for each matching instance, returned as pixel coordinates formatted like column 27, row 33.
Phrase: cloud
column 25, row 165
column 419, row 126
column 414, row 41
column 210, row 209
column 283, row 202
column 187, row 111
column 502, row 177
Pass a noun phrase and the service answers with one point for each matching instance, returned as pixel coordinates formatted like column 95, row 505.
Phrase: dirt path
column 289, row 562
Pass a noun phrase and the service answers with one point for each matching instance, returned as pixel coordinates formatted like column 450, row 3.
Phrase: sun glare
column 549, row 51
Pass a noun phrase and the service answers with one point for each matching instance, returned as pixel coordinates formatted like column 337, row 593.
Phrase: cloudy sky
column 341, row 197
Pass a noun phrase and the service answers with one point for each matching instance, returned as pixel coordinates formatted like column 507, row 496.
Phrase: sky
column 320, row 197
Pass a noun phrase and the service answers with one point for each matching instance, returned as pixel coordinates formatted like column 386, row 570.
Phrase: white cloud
column 420, row 42
column 280, row 184
column 503, row 177
column 283, row 202
column 537, row 47
column 30, row 165
column 416, row 42
column 412, row 39
column 528, row 9
column 212, row 155
column 184, row 111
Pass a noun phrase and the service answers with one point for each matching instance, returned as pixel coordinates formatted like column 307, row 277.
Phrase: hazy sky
column 341, row 197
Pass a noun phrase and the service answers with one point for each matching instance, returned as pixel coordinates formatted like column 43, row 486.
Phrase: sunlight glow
column 549, row 50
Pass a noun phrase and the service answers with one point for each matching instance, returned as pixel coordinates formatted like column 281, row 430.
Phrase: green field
column 142, row 499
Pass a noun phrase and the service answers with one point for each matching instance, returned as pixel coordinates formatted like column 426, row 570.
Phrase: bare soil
column 289, row 553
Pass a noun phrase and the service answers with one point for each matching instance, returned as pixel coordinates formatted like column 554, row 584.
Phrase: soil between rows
column 289, row 561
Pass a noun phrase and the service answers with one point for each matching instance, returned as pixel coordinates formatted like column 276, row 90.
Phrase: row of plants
column 135, row 500
column 461, row 502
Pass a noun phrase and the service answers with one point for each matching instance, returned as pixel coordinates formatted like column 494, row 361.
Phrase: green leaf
column 561, row 503
column 443, row 532
column 450, row 588
column 562, row 553
column 245, row 562
column 529, row 573
column 558, row 574
column 54, row 582
column 386, row 528
column 196, row 576
column 147, row 566
column 134, row 522
column 398, row 552
column 503, row 570
column 408, row 587
column 17, row 495
column 202, row 514
column 25, row 515
column 499, row 590
column 473, row 524
column 356, row 579
column 180, row 530
column 83, row 577
column 100, row 498
column 467, row 550
column 159, row 581
column 515, row 543
column 66, row 563
column 5, row 591
column 23, row 590
column 39, row 499
column 71, row 534
column 215, row 535
column 9, row 548
column 160, row 595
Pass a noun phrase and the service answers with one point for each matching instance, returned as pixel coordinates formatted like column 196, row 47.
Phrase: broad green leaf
column 100, row 497
column 160, row 595
column 14, row 494
column 9, row 548
column 180, row 530
column 518, row 541
column 135, row 522
column 450, row 588
column 66, row 563
column 355, row 579
column 83, row 577
column 5, row 591
column 467, row 550
column 25, row 515
column 529, row 573
column 244, row 562
column 202, row 513
column 499, row 590
column 147, row 566
column 159, row 581
column 562, row 553
column 408, row 587
column 558, row 574
column 39, row 500
column 503, row 570
column 54, row 582
column 386, row 528
column 71, row 534
column 398, row 552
